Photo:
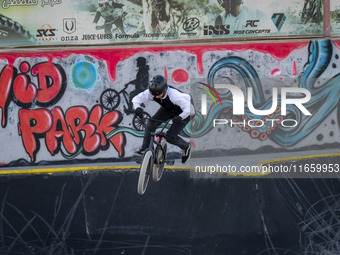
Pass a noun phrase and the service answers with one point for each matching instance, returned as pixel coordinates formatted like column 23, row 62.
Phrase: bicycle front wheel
column 145, row 172
column 140, row 123
column 110, row 99
column 160, row 157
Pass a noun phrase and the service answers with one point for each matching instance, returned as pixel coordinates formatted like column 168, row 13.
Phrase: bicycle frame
column 125, row 95
column 159, row 134
column 151, row 162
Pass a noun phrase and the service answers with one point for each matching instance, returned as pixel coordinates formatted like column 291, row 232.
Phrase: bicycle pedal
column 170, row 162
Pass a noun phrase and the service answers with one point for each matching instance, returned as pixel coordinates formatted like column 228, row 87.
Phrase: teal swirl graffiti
column 324, row 98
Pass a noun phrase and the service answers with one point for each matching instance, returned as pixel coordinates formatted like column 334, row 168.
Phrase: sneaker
column 186, row 154
column 139, row 153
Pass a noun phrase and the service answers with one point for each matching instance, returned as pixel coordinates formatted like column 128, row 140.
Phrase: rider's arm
column 132, row 82
column 141, row 98
column 183, row 100
column 96, row 18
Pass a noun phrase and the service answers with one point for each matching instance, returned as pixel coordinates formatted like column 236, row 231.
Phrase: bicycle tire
column 160, row 157
column 145, row 172
column 137, row 122
column 110, row 99
column 12, row 33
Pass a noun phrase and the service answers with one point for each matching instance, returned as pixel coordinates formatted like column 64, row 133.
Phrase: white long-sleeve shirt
column 174, row 100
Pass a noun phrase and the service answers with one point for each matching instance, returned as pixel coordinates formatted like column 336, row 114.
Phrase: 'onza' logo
column 46, row 32
column 69, row 25
column 191, row 24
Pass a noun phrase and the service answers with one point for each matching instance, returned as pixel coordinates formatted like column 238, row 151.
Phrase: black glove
column 176, row 119
column 139, row 112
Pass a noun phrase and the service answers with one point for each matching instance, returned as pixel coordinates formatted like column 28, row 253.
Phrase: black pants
column 172, row 136
column 119, row 24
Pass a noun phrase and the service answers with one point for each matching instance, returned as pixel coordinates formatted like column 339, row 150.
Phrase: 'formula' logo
column 46, row 33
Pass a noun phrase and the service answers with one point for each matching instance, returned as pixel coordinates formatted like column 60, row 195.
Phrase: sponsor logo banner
column 44, row 22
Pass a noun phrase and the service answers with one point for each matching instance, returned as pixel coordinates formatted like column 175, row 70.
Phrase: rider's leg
column 107, row 28
column 120, row 25
column 172, row 136
column 160, row 115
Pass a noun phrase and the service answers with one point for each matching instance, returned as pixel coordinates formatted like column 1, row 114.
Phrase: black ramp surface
column 100, row 212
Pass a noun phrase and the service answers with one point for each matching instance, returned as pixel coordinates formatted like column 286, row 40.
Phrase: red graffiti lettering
column 32, row 125
column 105, row 125
column 5, row 88
column 50, row 80
column 24, row 91
column 51, row 86
column 76, row 118
column 59, row 131
column 76, row 130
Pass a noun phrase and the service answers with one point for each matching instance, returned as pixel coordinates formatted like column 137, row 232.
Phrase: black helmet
column 158, row 85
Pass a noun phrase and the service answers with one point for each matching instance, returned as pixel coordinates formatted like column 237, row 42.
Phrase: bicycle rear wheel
column 160, row 157
column 145, row 172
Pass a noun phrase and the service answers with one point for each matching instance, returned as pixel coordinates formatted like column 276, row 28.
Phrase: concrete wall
column 53, row 105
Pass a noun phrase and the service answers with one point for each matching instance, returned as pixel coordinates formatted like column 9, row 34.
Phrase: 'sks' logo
column 216, row 30
column 191, row 24
column 46, row 32
column 69, row 25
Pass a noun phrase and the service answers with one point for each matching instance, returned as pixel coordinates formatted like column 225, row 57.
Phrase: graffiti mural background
column 71, row 106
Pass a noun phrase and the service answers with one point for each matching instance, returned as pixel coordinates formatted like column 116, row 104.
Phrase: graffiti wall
column 74, row 105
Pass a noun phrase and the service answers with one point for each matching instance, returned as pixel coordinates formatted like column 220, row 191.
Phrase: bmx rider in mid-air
column 175, row 105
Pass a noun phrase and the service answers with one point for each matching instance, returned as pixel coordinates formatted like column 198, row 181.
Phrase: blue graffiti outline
column 324, row 99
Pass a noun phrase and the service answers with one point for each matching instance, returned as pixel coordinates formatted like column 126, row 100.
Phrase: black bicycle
column 153, row 159
column 110, row 100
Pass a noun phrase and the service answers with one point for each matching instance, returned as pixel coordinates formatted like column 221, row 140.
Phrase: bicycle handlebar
column 147, row 118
